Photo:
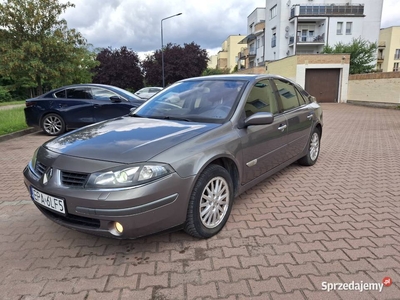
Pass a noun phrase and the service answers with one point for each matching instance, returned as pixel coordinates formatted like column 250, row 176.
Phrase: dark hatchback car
column 75, row 106
column 179, row 160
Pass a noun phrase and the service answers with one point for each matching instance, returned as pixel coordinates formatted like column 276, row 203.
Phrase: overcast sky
column 136, row 23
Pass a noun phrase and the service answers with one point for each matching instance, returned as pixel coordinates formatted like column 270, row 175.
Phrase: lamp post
column 162, row 47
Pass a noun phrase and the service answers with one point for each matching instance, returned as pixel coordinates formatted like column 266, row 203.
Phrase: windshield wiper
column 169, row 118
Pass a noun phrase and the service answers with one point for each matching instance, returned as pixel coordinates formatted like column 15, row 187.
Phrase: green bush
column 5, row 95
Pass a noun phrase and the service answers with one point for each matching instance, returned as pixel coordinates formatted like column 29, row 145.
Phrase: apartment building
column 388, row 59
column 252, row 51
column 212, row 61
column 228, row 56
column 305, row 26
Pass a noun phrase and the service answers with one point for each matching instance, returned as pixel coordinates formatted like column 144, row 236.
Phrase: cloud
column 136, row 24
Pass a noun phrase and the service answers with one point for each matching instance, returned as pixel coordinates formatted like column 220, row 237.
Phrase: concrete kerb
column 16, row 134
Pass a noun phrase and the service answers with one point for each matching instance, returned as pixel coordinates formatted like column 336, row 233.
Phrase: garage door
column 323, row 84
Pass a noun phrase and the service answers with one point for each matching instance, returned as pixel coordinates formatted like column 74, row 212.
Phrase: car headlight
column 34, row 159
column 128, row 176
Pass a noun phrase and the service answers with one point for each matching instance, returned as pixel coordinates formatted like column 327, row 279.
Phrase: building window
column 349, row 25
column 273, row 40
column 396, row 67
column 339, row 28
column 380, row 54
column 273, row 11
column 397, row 54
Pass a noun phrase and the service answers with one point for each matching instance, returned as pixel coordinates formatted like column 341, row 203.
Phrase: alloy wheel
column 214, row 202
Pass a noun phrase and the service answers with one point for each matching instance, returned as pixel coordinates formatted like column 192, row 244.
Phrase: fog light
column 119, row 227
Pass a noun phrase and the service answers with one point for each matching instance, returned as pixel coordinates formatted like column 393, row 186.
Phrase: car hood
column 126, row 139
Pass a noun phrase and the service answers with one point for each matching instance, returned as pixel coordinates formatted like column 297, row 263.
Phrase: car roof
column 84, row 84
column 247, row 77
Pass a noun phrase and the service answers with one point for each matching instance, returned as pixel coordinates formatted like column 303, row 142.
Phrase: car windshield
column 200, row 101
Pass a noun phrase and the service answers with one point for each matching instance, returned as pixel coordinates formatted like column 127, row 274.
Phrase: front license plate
column 48, row 201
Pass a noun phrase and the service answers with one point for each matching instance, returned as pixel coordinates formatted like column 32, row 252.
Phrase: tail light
column 30, row 103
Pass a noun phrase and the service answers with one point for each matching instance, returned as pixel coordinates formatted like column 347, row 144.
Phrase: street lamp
column 162, row 47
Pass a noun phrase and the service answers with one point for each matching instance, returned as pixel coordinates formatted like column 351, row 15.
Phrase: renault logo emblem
column 47, row 176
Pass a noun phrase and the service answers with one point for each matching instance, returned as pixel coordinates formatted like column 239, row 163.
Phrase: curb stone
column 16, row 134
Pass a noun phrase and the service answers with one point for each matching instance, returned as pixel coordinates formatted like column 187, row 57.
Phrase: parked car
column 179, row 160
column 74, row 106
column 148, row 92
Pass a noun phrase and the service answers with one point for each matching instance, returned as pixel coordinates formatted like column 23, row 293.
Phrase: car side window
column 301, row 98
column 61, row 94
column 103, row 94
column 79, row 93
column 288, row 94
column 261, row 99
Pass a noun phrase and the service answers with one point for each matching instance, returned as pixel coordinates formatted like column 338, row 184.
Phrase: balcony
column 319, row 39
column 327, row 10
column 382, row 44
column 380, row 58
column 244, row 52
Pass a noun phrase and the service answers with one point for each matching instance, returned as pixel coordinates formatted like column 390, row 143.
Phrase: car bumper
column 32, row 118
column 142, row 210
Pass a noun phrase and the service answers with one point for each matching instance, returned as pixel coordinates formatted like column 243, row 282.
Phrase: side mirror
column 312, row 99
column 115, row 99
column 260, row 118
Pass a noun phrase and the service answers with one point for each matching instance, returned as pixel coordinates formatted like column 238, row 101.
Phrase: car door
column 263, row 146
column 299, row 116
column 108, row 104
column 75, row 106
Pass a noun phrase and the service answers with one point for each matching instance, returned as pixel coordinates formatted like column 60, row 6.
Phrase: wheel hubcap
column 52, row 125
column 214, row 202
column 314, row 146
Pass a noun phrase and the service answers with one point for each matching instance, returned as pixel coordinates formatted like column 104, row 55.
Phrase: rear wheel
column 210, row 203
column 53, row 124
column 313, row 149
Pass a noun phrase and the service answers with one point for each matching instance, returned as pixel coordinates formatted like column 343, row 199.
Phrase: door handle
column 282, row 127
column 310, row 116
column 96, row 106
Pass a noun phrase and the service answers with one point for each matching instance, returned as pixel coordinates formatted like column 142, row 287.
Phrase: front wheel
column 313, row 149
column 210, row 203
column 53, row 124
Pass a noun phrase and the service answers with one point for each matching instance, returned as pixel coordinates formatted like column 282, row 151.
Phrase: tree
column 362, row 54
column 119, row 67
column 179, row 63
column 37, row 48
column 212, row 71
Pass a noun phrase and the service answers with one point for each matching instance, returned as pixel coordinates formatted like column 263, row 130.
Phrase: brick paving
column 338, row 221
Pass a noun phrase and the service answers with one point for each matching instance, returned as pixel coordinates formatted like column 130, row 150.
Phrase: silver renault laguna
column 179, row 160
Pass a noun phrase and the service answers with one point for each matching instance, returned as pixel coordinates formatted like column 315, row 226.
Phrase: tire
column 200, row 223
column 313, row 149
column 53, row 124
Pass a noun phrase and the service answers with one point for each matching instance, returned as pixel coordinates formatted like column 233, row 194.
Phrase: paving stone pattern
column 338, row 221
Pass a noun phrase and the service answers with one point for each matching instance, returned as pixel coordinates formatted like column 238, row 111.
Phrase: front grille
column 73, row 179
column 40, row 168
column 70, row 219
